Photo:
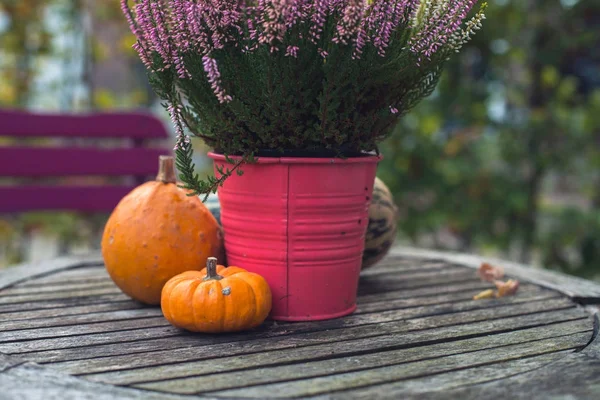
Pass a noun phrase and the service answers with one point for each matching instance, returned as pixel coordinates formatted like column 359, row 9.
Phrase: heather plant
column 256, row 76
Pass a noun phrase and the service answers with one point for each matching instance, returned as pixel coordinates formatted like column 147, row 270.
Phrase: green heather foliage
column 286, row 82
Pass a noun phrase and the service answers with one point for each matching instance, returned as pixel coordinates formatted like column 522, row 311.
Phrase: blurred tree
column 480, row 164
column 23, row 37
column 68, row 55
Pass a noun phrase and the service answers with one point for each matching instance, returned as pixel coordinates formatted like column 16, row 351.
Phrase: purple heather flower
column 318, row 19
column 292, row 51
column 143, row 55
column 214, row 77
column 349, row 24
column 159, row 32
column 171, row 33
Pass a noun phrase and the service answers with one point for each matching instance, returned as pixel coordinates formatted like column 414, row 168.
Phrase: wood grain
column 20, row 380
column 23, row 272
column 56, row 288
column 295, row 347
column 56, row 304
column 66, row 294
column 72, row 323
column 439, row 385
column 204, row 381
column 416, row 334
column 381, row 375
column 173, row 339
column 47, row 315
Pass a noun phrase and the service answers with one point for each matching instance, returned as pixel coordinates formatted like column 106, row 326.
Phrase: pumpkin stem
column 166, row 170
column 211, row 270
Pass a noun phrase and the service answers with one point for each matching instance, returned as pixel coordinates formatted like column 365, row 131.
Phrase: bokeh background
column 503, row 159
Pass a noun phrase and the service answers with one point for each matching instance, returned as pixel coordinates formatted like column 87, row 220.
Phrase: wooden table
column 66, row 332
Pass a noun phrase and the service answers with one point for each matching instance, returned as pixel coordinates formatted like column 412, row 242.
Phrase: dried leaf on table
column 486, row 294
column 507, row 288
column 489, row 272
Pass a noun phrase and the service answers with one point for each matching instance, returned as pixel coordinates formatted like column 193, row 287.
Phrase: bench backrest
column 31, row 162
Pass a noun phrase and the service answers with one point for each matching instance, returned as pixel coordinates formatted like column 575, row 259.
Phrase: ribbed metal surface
column 302, row 227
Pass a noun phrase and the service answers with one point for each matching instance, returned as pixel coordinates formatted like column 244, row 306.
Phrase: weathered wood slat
column 20, row 273
column 67, row 294
column 77, row 320
column 527, row 291
column 389, row 307
column 61, row 303
column 29, row 381
column 380, row 375
column 419, row 316
column 416, row 329
column 575, row 376
column 202, row 381
column 369, row 284
column 96, row 312
column 581, row 290
column 81, row 342
column 85, row 270
column 93, row 278
column 349, row 340
column 422, row 293
column 440, row 383
column 49, row 314
column 451, row 287
column 290, row 355
column 169, row 341
column 411, row 276
column 77, row 275
column 406, row 266
column 375, row 284
column 86, row 329
column 52, row 288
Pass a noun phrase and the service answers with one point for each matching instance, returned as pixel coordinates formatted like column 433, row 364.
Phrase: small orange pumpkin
column 156, row 232
column 216, row 299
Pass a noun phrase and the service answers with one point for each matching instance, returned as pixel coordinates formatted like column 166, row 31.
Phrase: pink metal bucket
column 300, row 223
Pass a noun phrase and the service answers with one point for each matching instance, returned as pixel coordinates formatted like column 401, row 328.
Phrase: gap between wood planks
column 134, row 310
column 244, row 378
column 388, row 334
column 383, row 313
column 378, row 299
column 287, row 356
column 394, row 374
column 419, row 387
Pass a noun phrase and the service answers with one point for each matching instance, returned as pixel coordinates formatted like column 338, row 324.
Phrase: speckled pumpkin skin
column 239, row 301
column 155, row 233
column 383, row 225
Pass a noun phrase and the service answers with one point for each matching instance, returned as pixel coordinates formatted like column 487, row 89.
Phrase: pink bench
column 34, row 167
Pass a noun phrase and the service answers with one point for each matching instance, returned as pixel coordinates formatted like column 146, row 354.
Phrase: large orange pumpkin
column 156, row 232
column 216, row 299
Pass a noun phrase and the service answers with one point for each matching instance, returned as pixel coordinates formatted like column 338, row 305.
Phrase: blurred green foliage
column 504, row 156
